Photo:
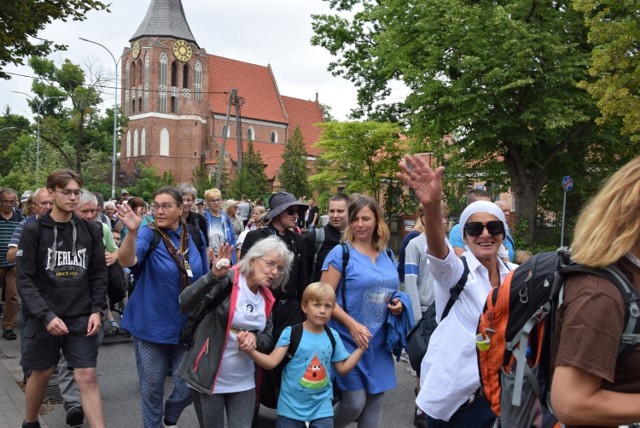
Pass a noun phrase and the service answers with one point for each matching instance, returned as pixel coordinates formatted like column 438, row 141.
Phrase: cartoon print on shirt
column 315, row 377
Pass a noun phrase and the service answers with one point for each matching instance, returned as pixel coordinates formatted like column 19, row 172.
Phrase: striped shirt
column 7, row 227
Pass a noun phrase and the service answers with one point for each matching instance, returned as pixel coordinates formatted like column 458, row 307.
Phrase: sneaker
column 35, row 424
column 167, row 424
column 419, row 419
column 75, row 416
column 412, row 372
column 9, row 334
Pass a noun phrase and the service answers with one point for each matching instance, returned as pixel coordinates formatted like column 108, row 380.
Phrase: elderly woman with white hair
column 220, row 374
column 450, row 392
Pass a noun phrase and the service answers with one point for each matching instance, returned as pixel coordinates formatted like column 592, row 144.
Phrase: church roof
column 304, row 113
column 165, row 18
column 255, row 83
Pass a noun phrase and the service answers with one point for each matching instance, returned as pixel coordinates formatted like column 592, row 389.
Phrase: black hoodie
column 61, row 269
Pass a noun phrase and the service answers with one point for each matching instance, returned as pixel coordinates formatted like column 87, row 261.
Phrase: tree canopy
column 499, row 76
column 251, row 179
column 293, row 173
column 22, row 20
column 614, row 31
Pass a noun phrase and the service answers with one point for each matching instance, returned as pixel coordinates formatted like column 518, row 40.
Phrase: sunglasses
column 475, row 228
column 292, row 210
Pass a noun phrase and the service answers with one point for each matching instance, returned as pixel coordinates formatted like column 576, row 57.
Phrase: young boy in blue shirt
column 306, row 391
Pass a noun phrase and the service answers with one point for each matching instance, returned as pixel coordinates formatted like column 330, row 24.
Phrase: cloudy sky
column 275, row 32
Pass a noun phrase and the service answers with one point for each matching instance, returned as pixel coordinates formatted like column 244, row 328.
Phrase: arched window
column 127, row 67
column 250, row 134
column 198, row 83
column 135, row 143
column 226, row 131
column 162, row 89
column 174, row 74
column 147, row 62
column 133, row 73
column 185, row 76
column 128, row 152
column 274, row 137
column 164, row 142
column 143, row 142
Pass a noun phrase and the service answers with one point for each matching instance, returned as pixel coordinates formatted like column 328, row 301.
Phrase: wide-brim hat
column 279, row 202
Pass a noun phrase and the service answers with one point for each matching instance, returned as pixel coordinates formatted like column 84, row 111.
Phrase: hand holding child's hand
column 247, row 341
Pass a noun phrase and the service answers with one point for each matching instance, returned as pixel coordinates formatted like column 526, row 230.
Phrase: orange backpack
column 515, row 335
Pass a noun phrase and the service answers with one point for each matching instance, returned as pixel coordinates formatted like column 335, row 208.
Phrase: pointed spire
column 165, row 18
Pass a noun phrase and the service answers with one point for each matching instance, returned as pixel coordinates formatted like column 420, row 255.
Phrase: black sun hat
column 280, row 201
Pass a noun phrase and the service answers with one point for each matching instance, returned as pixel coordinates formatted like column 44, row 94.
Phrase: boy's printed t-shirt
column 306, row 391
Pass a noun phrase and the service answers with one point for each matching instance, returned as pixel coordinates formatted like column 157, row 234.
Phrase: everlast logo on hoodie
column 67, row 263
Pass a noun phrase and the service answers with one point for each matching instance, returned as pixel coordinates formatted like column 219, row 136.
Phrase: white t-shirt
column 236, row 372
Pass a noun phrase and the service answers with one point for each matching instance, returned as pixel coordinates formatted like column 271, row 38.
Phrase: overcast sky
column 275, row 32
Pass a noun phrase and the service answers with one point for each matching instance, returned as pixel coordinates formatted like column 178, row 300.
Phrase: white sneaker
column 412, row 371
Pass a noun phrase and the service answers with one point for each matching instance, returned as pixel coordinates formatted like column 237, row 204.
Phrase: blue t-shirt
column 306, row 391
column 153, row 311
column 369, row 287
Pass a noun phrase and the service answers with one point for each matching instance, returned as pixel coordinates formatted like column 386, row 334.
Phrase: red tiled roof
column 304, row 113
column 255, row 83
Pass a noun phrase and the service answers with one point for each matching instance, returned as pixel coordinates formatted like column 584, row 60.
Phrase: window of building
column 135, row 143
column 174, row 74
column 128, row 151
column 126, row 88
column 185, row 76
column 143, row 142
column 147, row 62
column 226, row 131
column 164, row 142
column 198, row 82
column 162, row 90
column 274, row 137
column 250, row 136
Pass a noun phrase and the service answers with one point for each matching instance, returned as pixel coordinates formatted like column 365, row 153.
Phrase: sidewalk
column 11, row 395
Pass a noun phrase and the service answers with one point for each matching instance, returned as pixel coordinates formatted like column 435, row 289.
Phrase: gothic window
column 162, row 95
column 198, row 82
column 274, row 137
column 147, row 62
column 126, row 88
column 135, row 143
column 174, row 74
column 140, row 71
column 185, row 76
column 164, row 142
column 250, row 136
column 226, row 131
column 143, row 142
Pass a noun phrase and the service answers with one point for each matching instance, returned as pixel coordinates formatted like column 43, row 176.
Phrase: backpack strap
column 455, row 291
column 343, row 277
column 294, row 341
column 319, row 240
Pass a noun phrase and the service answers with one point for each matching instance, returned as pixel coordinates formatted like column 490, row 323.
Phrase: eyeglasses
column 4, row 201
column 292, row 211
column 92, row 211
column 273, row 265
column 214, row 200
column 66, row 192
column 163, row 207
column 475, row 228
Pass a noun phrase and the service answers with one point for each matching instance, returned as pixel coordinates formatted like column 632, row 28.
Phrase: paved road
column 121, row 394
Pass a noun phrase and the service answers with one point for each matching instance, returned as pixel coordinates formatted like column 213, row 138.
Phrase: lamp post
column 115, row 117
column 39, row 104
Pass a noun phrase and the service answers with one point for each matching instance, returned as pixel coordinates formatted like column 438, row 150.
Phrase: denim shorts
column 41, row 350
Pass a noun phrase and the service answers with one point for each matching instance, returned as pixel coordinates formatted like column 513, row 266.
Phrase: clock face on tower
column 182, row 50
column 135, row 49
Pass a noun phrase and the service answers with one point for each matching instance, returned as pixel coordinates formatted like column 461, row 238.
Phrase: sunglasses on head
column 475, row 228
column 292, row 210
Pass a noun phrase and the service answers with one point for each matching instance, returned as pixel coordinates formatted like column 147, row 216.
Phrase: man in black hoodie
column 62, row 280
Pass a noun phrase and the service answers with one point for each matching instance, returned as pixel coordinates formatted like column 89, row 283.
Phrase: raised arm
column 427, row 185
column 127, row 253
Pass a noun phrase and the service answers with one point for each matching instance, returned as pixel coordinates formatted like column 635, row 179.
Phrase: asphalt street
column 121, row 394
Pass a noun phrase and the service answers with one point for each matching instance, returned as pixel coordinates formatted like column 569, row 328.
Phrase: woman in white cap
column 450, row 392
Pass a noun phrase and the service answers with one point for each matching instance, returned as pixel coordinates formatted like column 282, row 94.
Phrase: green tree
column 12, row 126
column 361, row 156
column 500, row 77
column 146, row 181
column 251, row 179
column 614, row 31
column 22, row 20
column 293, row 171
column 202, row 181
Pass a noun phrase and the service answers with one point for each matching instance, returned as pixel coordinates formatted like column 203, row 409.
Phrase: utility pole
column 237, row 103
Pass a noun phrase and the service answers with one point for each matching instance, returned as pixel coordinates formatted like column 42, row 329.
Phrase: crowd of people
column 243, row 304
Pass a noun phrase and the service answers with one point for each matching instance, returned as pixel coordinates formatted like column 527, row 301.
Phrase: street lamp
column 115, row 117
column 40, row 104
column 7, row 127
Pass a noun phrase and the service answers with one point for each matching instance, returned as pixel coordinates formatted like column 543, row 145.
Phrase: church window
column 146, row 81
column 198, row 82
column 162, row 95
column 128, row 152
column 185, row 76
column 143, row 142
column 135, row 143
column 126, row 88
column 174, row 74
column 164, row 142
column 274, row 137
column 250, row 134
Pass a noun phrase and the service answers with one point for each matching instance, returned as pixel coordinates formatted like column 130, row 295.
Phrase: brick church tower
column 176, row 98
column 164, row 94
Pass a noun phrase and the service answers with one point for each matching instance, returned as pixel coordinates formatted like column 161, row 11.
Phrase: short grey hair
column 188, row 188
column 265, row 247
column 87, row 198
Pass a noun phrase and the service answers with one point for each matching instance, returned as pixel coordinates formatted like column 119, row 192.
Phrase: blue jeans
column 285, row 422
column 153, row 360
column 477, row 414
